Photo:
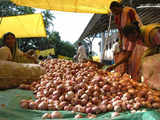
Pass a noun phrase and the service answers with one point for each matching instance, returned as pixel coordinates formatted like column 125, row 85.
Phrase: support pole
column 105, row 42
column 1, row 20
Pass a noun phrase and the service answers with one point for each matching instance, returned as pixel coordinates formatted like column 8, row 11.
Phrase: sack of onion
column 13, row 74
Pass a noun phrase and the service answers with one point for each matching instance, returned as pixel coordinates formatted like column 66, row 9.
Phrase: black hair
column 115, row 4
column 5, row 36
column 79, row 43
column 40, row 57
column 117, row 40
column 131, row 28
column 13, row 50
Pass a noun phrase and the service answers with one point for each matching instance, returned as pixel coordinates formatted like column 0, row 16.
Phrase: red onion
column 56, row 114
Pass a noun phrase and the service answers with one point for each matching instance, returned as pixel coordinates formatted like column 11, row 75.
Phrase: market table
column 11, row 110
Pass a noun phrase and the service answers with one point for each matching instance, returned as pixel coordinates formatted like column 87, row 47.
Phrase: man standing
column 81, row 53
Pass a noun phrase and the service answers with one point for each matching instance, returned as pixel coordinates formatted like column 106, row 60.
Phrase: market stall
column 80, row 90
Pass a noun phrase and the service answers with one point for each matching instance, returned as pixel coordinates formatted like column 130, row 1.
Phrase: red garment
column 117, row 18
column 127, row 16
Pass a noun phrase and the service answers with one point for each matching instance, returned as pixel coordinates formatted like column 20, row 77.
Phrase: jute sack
column 13, row 74
column 151, row 71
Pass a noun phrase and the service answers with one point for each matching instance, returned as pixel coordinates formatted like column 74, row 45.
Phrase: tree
column 67, row 49
column 10, row 9
column 48, row 17
column 61, row 47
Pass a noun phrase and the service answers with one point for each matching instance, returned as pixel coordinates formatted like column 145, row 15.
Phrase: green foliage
column 67, row 49
column 10, row 9
column 61, row 47
column 47, row 17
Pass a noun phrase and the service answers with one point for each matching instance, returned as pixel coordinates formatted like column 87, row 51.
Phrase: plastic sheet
column 11, row 110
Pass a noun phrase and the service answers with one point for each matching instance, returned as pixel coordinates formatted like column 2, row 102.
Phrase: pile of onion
column 82, row 87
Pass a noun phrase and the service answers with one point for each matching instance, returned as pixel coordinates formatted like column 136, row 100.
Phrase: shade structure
column 81, row 6
column 23, row 26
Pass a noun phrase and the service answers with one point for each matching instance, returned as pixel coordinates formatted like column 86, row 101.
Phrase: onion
column 46, row 116
column 84, row 96
column 89, row 104
column 115, row 114
column 45, row 92
column 78, row 116
column 33, row 105
column 60, row 87
column 56, row 93
column 42, row 106
column 105, row 101
column 90, row 116
column 90, row 88
column 156, row 105
column 136, row 105
column 95, row 93
column 63, row 104
column 89, row 110
column 69, row 95
column 68, row 107
column 96, row 109
column 103, row 107
column 101, row 84
column 56, row 114
column 95, row 100
column 109, row 107
column 88, row 92
column 54, row 97
column 51, row 90
column 129, row 106
column 80, row 92
column 84, row 101
column 24, row 105
column 51, row 107
column 133, row 111
column 124, row 106
column 117, row 108
column 62, row 98
column 131, row 91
